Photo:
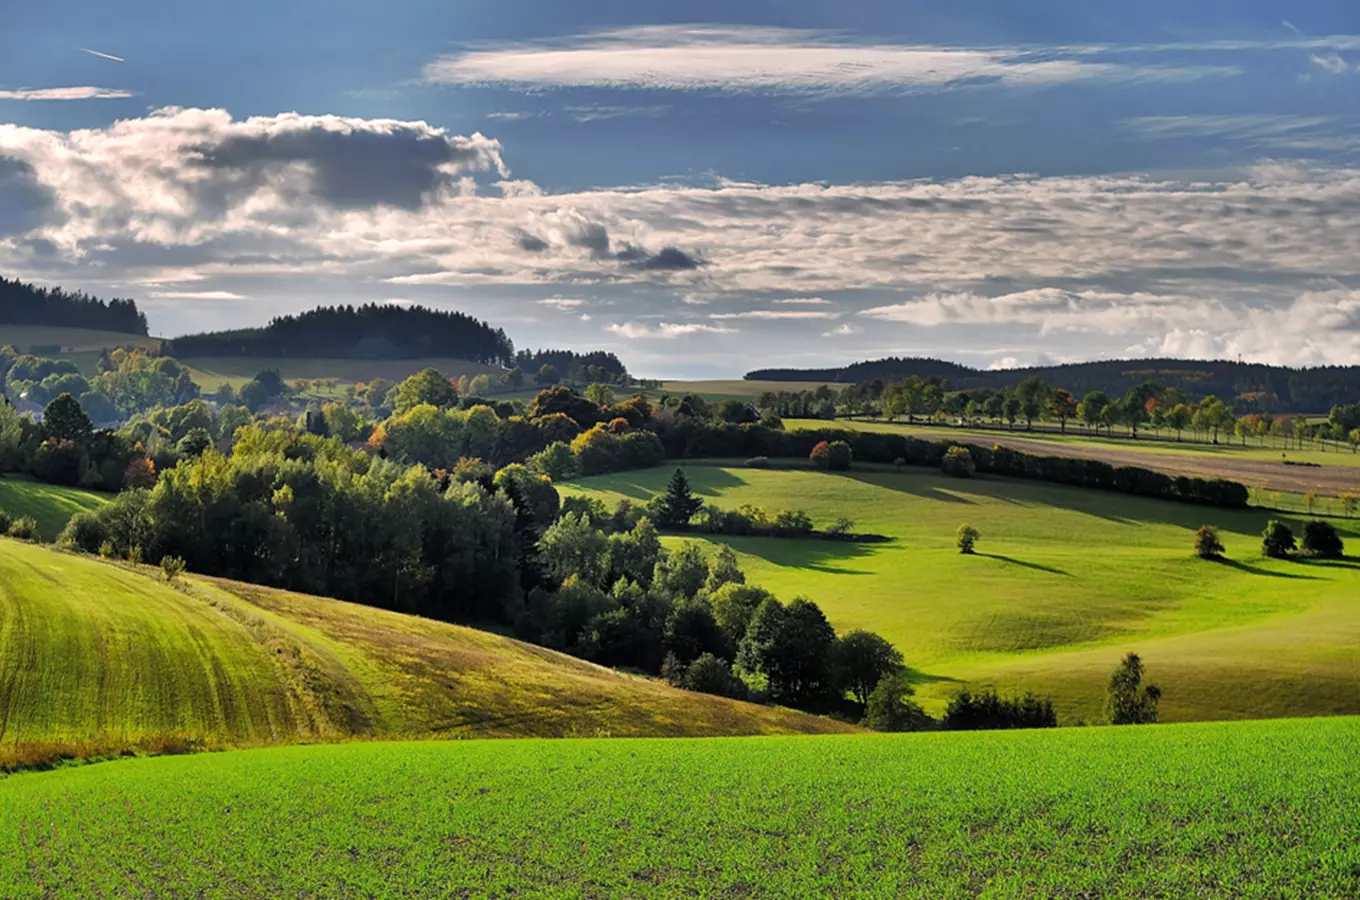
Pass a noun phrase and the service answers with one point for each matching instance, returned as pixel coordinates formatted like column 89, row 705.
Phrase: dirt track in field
column 1273, row 476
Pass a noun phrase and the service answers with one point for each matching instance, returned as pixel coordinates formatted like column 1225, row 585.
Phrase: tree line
column 22, row 303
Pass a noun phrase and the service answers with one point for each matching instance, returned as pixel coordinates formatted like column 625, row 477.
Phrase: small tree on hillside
column 1207, row 543
column 890, row 707
column 839, row 455
column 958, row 462
column 1320, row 540
column 1127, row 700
column 172, row 567
column 866, row 659
column 968, row 538
column 678, row 504
column 820, row 457
column 1277, row 541
column 65, row 420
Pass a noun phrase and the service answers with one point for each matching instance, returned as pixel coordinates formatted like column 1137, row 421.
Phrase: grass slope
column 737, row 389
column 80, row 345
column 1066, row 582
column 50, row 505
column 95, row 653
column 1245, row 810
column 210, row 373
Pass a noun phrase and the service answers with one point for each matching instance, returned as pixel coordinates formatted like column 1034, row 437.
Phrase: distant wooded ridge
column 373, row 331
column 1270, row 387
column 27, row 304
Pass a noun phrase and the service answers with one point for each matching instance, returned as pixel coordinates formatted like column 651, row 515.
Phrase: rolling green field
column 736, row 389
column 50, row 505
column 1065, row 582
column 81, row 346
column 212, row 372
column 100, row 656
column 1245, row 810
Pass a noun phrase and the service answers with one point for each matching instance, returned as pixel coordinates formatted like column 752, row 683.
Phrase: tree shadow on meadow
column 1028, row 565
column 1255, row 570
column 806, row 553
column 642, row 485
column 908, row 482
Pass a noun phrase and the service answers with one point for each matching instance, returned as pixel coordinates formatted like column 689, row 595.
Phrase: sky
column 705, row 188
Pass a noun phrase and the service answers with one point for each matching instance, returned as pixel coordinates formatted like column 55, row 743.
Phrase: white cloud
column 562, row 303
column 776, row 314
column 1005, row 362
column 200, row 295
column 665, row 330
column 1050, row 309
column 507, row 116
column 1331, row 63
column 806, row 301
column 748, row 58
column 843, row 330
column 66, row 93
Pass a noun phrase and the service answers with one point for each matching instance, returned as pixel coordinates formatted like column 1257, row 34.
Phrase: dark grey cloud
column 592, row 236
column 531, row 243
column 25, row 203
column 669, row 259
column 399, row 164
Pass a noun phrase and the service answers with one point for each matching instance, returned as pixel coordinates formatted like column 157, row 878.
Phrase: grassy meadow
column 1241, row 810
column 98, row 656
column 210, row 373
column 1064, row 583
column 50, row 505
column 736, row 388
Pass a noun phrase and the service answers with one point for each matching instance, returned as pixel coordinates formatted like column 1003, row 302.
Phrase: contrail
column 103, row 55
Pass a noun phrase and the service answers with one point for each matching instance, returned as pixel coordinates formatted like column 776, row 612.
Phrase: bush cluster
column 989, row 710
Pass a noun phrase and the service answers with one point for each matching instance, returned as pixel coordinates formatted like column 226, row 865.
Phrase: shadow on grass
column 1255, row 570
column 796, row 553
column 1345, row 562
column 908, row 485
column 1028, row 565
column 706, row 481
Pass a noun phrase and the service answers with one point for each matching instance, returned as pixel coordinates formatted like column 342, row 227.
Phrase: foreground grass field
column 101, row 657
column 50, row 505
column 1065, row 582
column 1246, row 810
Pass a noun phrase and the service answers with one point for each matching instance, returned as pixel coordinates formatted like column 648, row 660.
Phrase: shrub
column 556, row 461
column 710, row 675
column 958, row 462
column 792, row 523
column 989, row 710
column 1127, row 700
column 841, row 527
column 968, row 538
column 1320, row 540
column 134, row 554
column 1207, row 543
column 24, row 528
column 106, row 550
column 821, row 455
column 85, row 532
column 890, row 707
column 5, row 521
column 172, row 567
column 839, row 456
column 758, row 462
column 1277, row 541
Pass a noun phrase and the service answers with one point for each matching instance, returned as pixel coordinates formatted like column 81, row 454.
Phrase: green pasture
column 737, row 389
column 50, row 505
column 1242, row 810
column 100, row 656
column 81, row 346
column 209, row 373
column 1230, row 448
column 1065, row 582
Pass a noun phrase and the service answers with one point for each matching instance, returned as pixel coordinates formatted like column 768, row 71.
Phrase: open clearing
column 50, row 505
column 210, row 373
column 737, row 389
column 1245, row 810
column 100, row 655
column 1065, row 582
column 1339, row 473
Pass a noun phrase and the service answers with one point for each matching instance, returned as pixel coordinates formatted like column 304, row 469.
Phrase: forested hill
column 28, row 304
column 1274, row 387
column 359, row 332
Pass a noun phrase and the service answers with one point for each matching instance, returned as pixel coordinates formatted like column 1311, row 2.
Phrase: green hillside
column 50, row 505
column 209, row 373
column 80, row 345
column 96, row 655
column 1245, row 810
column 1065, row 582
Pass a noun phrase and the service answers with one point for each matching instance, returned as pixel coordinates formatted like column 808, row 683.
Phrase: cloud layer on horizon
column 193, row 204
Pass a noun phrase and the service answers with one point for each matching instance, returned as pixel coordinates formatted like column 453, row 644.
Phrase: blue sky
column 708, row 187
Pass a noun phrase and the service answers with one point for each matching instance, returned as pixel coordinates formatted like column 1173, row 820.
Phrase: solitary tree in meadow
column 1207, row 543
column 1127, row 700
column 679, row 504
column 1321, row 541
column 968, row 537
column 1277, row 541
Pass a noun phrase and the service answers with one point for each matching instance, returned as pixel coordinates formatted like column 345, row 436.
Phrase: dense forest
column 28, row 304
column 372, row 331
column 1249, row 386
column 574, row 366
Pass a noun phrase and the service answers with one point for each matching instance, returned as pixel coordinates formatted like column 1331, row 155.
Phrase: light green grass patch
column 50, row 505
column 209, row 373
column 1246, row 810
column 1065, row 582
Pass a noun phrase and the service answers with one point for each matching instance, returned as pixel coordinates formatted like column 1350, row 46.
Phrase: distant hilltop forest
column 359, row 332
column 28, row 304
column 1252, row 386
